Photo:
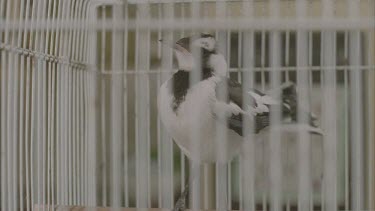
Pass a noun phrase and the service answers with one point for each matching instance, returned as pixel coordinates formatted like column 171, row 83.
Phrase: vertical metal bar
column 310, row 91
column 58, row 109
column 43, row 101
column 329, row 111
column 27, row 113
column 304, row 147
column 287, row 79
column 182, row 155
column 76, row 144
column 116, row 110
column 91, row 114
column 21, row 148
column 166, row 148
column 28, row 160
column 58, row 128
column 195, row 168
column 76, row 101
column 356, row 99
column 322, row 189
column 68, row 115
column 33, row 135
column 63, row 111
column 75, row 72
column 74, row 51
column 33, row 142
column 82, row 106
column 49, row 131
column 142, row 112
column 263, row 87
column 229, row 166
column 65, row 124
column 33, row 109
column 147, row 119
column 104, row 132
column 9, row 113
column 84, row 58
column 17, row 127
column 4, row 85
column 6, row 124
column 53, row 50
column 159, row 124
column 43, row 68
column 247, row 164
column 39, row 110
column 222, row 181
column 76, row 57
column 12, row 114
column 125, row 109
column 61, row 115
column 83, row 41
column 79, row 150
column 48, row 111
column 356, row 116
column 275, row 170
column 346, row 99
column 79, row 48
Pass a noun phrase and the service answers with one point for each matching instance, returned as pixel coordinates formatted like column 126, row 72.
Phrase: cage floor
column 80, row 208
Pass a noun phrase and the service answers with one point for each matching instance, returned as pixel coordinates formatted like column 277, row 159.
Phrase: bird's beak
column 174, row 46
column 166, row 43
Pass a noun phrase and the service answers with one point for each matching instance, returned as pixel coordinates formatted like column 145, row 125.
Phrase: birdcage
column 79, row 82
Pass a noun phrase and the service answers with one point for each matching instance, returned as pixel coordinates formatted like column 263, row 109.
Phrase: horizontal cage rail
column 45, row 57
column 242, row 24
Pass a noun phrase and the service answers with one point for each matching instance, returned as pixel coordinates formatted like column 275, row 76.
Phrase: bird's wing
column 255, row 109
column 231, row 103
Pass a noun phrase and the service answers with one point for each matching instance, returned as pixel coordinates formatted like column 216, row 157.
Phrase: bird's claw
column 180, row 205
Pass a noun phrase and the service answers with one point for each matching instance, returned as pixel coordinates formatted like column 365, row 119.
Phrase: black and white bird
column 183, row 104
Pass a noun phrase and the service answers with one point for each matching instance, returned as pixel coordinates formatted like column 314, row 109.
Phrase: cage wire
column 79, row 82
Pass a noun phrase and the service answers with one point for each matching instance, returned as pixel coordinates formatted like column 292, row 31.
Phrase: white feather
column 198, row 109
column 218, row 64
column 185, row 60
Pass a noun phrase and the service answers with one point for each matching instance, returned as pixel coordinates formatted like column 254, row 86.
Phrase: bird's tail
column 295, row 127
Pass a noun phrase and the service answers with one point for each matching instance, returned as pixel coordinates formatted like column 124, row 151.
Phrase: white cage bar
column 79, row 127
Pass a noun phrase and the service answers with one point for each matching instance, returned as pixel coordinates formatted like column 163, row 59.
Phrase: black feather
column 180, row 84
column 260, row 121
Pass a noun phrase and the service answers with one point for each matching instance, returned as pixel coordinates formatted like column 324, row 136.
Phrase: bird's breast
column 193, row 125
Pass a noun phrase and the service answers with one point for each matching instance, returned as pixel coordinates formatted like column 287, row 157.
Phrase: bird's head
column 204, row 42
column 187, row 48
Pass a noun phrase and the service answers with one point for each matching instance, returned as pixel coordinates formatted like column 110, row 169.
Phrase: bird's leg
column 181, row 202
